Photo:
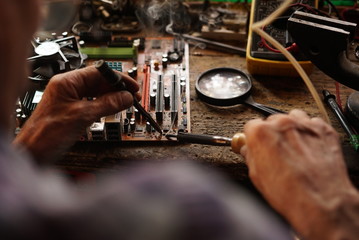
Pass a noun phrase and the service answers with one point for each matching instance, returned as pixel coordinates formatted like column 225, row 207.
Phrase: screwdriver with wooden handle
column 236, row 142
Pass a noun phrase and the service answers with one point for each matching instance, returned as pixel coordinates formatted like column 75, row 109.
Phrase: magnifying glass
column 228, row 87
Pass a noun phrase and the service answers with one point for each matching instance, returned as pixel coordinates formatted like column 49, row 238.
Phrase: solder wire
column 257, row 28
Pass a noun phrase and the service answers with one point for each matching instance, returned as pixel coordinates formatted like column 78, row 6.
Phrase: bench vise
column 325, row 41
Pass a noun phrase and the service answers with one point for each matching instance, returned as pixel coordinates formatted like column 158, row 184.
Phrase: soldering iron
column 236, row 142
column 115, row 80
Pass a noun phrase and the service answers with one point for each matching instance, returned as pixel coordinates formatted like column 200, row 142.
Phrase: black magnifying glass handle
column 260, row 107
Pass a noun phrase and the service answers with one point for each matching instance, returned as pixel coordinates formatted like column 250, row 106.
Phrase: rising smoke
column 166, row 16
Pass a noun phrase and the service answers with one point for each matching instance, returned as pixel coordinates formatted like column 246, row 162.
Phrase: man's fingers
column 252, row 123
column 108, row 104
column 298, row 114
column 243, row 151
column 88, row 82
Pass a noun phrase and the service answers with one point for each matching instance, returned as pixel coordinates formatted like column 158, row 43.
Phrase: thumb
column 110, row 103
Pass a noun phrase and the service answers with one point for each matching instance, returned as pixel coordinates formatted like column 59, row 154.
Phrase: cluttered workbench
column 168, row 69
column 280, row 92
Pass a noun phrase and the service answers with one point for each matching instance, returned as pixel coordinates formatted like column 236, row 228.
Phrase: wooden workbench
column 280, row 92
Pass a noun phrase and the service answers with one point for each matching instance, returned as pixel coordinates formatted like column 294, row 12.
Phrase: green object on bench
column 335, row 2
column 106, row 53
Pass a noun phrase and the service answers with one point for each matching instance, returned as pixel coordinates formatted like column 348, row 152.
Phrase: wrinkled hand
column 296, row 162
column 63, row 115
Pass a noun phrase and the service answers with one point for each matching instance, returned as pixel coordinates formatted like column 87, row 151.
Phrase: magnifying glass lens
column 224, row 85
column 228, row 87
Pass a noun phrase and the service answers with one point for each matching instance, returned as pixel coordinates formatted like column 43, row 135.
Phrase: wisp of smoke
column 161, row 15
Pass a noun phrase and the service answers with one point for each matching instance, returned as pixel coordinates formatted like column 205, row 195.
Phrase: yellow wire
column 257, row 28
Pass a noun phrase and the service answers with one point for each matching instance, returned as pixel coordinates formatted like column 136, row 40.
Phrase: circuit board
column 161, row 70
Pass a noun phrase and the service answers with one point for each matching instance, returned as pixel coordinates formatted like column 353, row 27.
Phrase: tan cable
column 257, row 28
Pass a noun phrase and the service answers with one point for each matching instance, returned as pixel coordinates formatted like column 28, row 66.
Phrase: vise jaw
column 325, row 42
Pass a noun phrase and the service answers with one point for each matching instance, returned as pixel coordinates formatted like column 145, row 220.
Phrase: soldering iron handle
column 238, row 141
column 110, row 75
column 203, row 139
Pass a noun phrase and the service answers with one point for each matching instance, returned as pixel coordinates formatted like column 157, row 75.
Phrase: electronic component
column 96, row 132
column 153, row 100
column 115, row 65
column 156, row 44
column 96, row 36
column 109, row 53
column 159, row 99
column 174, row 102
column 53, row 57
column 262, row 58
column 49, row 58
column 125, row 42
column 126, row 125
column 167, row 101
column 164, row 62
column 132, row 125
column 113, row 127
column 129, row 112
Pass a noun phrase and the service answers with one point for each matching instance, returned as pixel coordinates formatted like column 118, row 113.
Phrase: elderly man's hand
column 63, row 114
column 297, row 164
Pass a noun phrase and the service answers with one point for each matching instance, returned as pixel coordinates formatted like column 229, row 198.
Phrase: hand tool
column 236, row 142
column 214, row 44
column 351, row 110
column 115, row 80
column 330, row 100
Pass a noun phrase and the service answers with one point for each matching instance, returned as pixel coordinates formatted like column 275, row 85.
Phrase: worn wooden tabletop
column 280, row 92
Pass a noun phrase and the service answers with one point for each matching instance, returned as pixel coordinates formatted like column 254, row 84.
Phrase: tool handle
column 110, row 75
column 238, row 141
column 330, row 100
column 260, row 107
column 203, row 139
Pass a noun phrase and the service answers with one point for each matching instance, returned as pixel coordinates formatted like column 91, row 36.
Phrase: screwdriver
column 115, row 80
column 353, row 136
column 236, row 142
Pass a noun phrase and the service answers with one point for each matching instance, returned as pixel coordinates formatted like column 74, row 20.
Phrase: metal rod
column 201, row 139
column 229, row 48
